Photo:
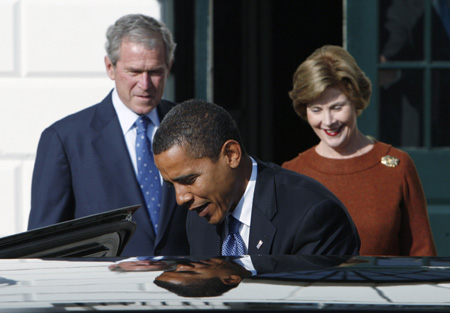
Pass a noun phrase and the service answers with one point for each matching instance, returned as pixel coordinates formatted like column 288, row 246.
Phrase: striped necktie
column 233, row 243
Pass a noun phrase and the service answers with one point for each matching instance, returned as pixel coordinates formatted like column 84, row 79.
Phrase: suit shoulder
column 167, row 103
column 77, row 116
column 284, row 175
column 80, row 120
column 73, row 123
column 164, row 107
column 290, row 184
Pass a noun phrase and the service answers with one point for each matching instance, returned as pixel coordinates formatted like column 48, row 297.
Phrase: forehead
column 138, row 53
column 176, row 162
column 330, row 95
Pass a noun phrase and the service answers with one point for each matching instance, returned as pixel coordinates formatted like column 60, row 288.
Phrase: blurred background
column 240, row 54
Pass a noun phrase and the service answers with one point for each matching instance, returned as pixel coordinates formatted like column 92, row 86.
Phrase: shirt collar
column 126, row 117
column 243, row 211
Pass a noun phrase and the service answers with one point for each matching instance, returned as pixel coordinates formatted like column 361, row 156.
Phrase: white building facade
column 51, row 65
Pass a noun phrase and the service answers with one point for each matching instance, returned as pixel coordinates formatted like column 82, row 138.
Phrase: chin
column 214, row 220
column 143, row 107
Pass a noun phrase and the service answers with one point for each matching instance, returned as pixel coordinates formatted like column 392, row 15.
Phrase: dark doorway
column 257, row 47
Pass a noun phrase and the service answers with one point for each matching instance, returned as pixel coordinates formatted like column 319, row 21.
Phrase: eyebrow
column 334, row 103
column 138, row 69
column 184, row 178
column 340, row 102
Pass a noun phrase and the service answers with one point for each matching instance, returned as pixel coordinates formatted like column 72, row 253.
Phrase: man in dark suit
column 199, row 151
column 89, row 162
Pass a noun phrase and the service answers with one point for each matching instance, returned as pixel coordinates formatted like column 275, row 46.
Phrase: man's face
column 141, row 265
column 140, row 76
column 207, row 269
column 202, row 185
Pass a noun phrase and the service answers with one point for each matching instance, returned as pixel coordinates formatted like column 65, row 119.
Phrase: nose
column 328, row 118
column 181, row 267
column 144, row 80
column 183, row 196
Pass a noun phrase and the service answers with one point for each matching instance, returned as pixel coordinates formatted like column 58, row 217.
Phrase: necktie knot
column 233, row 225
column 233, row 243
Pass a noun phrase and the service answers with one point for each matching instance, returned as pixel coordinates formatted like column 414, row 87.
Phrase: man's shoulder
column 283, row 175
column 168, row 103
column 290, row 184
column 164, row 107
column 80, row 119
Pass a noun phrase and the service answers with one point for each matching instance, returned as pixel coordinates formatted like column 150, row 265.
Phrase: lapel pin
column 260, row 243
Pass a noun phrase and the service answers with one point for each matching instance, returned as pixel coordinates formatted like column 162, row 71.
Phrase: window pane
column 401, row 107
column 440, row 109
column 440, row 31
column 401, row 30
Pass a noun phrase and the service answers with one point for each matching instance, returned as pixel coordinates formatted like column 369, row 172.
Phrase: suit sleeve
column 327, row 229
column 52, row 199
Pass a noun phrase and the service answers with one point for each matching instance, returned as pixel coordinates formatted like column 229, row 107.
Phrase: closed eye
column 314, row 109
column 187, row 272
column 186, row 180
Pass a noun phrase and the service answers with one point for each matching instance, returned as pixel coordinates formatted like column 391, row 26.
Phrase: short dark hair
column 212, row 287
column 199, row 126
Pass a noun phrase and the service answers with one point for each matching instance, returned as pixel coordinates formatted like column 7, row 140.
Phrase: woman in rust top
column 378, row 183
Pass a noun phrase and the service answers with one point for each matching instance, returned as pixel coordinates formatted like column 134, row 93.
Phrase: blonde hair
column 329, row 66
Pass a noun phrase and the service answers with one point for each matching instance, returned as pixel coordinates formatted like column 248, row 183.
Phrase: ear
column 232, row 152
column 231, row 280
column 110, row 69
column 169, row 68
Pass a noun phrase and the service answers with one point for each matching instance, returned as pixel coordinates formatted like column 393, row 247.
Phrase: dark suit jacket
column 83, row 167
column 292, row 214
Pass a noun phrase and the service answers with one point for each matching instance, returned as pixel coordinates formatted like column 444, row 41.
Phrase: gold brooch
column 389, row 161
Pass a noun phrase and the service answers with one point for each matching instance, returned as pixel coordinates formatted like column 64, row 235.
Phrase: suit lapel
column 262, row 231
column 113, row 153
column 168, row 200
column 168, row 208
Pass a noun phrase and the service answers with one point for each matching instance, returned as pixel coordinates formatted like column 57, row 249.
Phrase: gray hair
column 139, row 28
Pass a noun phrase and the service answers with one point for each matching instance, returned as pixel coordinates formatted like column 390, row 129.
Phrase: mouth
column 332, row 132
column 201, row 210
column 144, row 96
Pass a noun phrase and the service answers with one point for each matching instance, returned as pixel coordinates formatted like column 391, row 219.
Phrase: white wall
column 51, row 65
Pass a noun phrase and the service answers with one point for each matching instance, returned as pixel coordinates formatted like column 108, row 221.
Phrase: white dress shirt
column 243, row 211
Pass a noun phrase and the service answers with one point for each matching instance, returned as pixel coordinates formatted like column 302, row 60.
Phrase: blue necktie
column 147, row 173
column 233, row 243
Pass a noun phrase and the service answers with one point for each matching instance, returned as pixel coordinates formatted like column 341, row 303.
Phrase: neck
column 357, row 146
column 244, row 172
column 247, row 166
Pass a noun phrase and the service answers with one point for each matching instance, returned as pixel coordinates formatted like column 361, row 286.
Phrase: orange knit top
column 387, row 204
